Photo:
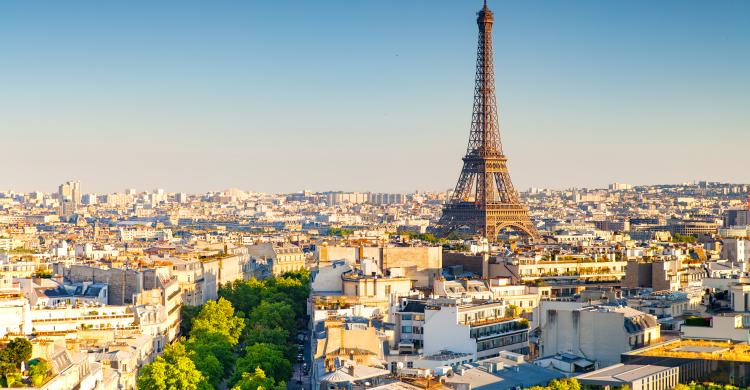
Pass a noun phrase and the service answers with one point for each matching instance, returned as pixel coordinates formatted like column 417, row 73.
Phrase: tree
column 211, row 368
column 188, row 314
column 274, row 315
column 512, row 311
column 212, row 355
column 8, row 370
column 259, row 333
column 257, row 380
column 292, row 289
column 560, row 384
column 218, row 317
column 244, row 295
column 564, row 384
column 173, row 370
column 266, row 356
column 17, row 351
column 38, row 372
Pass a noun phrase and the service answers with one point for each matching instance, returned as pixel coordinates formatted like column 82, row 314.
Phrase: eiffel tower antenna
column 484, row 199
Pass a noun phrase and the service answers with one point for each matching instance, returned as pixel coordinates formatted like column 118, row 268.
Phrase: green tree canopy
column 38, row 372
column 259, row 333
column 188, row 314
column 16, row 351
column 244, row 295
column 560, row 384
column 274, row 315
column 172, row 370
column 218, row 317
column 8, row 371
column 212, row 355
column 267, row 357
column 257, row 380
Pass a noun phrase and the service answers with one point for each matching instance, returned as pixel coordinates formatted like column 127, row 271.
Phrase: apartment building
column 662, row 274
column 478, row 328
column 595, row 332
column 560, row 267
column 278, row 258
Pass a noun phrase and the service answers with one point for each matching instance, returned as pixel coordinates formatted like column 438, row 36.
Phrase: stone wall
column 123, row 283
column 470, row 263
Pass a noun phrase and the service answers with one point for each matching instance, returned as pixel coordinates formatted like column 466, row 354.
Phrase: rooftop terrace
column 698, row 349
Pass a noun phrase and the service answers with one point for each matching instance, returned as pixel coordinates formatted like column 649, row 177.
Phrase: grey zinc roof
column 622, row 373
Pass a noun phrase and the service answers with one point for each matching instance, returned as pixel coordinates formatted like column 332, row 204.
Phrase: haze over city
column 374, row 195
column 368, row 96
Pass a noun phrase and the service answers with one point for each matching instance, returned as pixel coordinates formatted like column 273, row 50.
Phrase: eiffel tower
column 484, row 199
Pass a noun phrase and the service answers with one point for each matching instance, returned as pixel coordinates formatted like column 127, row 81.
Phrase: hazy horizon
column 368, row 96
column 216, row 190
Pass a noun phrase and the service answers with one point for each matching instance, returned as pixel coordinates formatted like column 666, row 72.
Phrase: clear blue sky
column 367, row 95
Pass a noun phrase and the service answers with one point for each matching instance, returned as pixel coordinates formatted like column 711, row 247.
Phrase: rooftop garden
column 724, row 350
column 12, row 357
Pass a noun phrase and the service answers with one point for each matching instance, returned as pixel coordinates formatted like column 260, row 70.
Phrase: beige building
column 728, row 326
column 281, row 258
column 597, row 333
column 635, row 376
column 662, row 275
column 573, row 267
column 421, row 264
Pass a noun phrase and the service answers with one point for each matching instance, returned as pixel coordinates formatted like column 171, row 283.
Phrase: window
column 406, row 317
column 407, row 329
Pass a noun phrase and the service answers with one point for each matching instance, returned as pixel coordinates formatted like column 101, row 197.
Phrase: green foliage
column 257, row 380
column 512, row 311
column 705, row 386
column 274, row 315
column 266, row 356
column 243, row 294
column 16, row 351
column 218, row 317
column 698, row 321
column 263, row 316
column 43, row 273
column 677, row 237
column 339, row 232
column 173, row 370
column 429, row 237
column 8, row 370
column 188, row 314
column 38, row 372
column 291, row 288
column 257, row 333
column 212, row 354
column 560, row 384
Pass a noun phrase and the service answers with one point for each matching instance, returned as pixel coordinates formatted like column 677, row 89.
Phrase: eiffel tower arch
column 484, row 199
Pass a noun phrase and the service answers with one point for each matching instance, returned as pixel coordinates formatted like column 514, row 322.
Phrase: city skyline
column 144, row 97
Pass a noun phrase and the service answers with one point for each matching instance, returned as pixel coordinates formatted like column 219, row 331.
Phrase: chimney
column 350, row 369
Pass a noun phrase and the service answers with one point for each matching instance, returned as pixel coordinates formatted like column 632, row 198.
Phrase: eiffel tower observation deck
column 484, row 199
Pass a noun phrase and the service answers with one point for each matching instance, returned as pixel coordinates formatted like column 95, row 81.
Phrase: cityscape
column 485, row 285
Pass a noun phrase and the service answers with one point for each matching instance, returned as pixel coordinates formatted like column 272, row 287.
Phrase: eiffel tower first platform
column 484, row 199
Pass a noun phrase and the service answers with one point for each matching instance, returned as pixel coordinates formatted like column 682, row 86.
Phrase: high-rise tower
column 485, row 199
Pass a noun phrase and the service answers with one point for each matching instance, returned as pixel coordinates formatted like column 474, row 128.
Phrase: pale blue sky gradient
column 367, row 95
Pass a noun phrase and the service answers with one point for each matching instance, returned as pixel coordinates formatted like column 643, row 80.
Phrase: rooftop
column 622, row 373
column 698, row 349
column 511, row 376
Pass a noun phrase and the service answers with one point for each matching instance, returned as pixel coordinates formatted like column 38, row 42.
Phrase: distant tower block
column 484, row 199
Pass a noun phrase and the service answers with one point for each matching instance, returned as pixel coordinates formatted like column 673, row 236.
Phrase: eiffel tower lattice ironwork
column 484, row 198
